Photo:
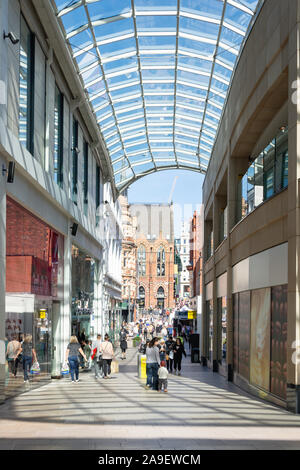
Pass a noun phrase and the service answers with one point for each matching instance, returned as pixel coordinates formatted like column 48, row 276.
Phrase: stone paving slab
column 201, row 411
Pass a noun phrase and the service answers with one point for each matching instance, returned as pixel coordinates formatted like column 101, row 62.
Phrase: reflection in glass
column 222, row 330
column 142, row 261
column 58, row 137
column 83, row 278
column 26, row 87
column 267, row 175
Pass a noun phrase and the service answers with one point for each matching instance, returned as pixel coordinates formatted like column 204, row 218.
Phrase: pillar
column 236, row 167
column 2, row 284
column 66, row 313
column 293, row 340
column 3, row 110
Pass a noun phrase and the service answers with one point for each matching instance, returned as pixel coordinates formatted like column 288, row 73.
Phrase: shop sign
column 192, row 315
column 43, row 313
column 183, row 315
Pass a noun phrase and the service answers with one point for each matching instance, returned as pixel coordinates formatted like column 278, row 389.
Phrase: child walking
column 163, row 377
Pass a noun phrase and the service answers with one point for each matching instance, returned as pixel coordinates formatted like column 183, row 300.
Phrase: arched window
column 142, row 296
column 160, row 297
column 141, row 292
column 142, row 261
column 161, row 261
column 160, row 293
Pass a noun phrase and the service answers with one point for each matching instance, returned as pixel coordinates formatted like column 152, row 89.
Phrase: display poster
column 244, row 335
column 235, row 300
column 260, row 338
column 279, row 341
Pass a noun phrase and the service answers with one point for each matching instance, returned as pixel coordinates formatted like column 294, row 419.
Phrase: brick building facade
column 156, row 273
column 155, row 255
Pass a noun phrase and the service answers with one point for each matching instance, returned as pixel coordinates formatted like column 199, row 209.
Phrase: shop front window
column 209, row 316
column 222, row 330
column 34, row 281
column 83, row 278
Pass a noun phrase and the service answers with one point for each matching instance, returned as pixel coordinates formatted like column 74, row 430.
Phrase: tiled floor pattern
column 201, row 411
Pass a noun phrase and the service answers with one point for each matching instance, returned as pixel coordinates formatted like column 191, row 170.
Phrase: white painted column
column 3, row 111
column 2, row 282
column 4, row 61
column 66, row 315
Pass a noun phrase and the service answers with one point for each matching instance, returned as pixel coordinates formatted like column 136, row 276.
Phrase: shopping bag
column 65, row 369
column 35, row 368
column 114, row 366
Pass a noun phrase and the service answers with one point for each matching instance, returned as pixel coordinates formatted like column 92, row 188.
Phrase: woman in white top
column 13, row 348
column 108, row 354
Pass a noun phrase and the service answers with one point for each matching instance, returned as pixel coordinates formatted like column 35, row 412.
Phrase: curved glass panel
column 157, row 75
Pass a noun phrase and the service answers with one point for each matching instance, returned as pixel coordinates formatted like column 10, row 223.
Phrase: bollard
column 141, row 366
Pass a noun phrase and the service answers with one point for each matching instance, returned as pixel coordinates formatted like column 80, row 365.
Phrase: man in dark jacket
column 170, row 343
column 178, row 352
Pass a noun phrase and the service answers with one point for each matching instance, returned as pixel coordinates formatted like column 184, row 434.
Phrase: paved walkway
column 201, row 411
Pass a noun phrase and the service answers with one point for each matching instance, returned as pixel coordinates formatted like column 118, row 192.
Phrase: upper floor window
column 85, row 176
column 75, row 152
column 26, row 87
column 267, row 175
column 98, row 192
column 58, row 137
column 142, row 261
column 161, row 262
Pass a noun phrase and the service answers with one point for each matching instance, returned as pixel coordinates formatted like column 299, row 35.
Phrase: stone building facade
column 129, row 261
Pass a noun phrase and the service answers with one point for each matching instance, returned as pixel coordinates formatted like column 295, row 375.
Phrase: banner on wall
column 260, row 338
column 244, row 335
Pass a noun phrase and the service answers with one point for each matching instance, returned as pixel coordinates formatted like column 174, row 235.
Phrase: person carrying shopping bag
column 13, row 348
column 108, row 354
column 29, row 355
column 73, row 349
column 97, row 357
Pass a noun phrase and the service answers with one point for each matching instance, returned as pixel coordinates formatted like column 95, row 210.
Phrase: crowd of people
column 162, row 345
column 164, row 350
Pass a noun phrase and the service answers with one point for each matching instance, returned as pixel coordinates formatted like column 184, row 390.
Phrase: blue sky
column 183, row 187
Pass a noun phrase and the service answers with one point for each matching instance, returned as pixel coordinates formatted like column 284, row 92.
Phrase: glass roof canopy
column 156, row 73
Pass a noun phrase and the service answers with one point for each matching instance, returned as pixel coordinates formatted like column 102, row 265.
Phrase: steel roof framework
column 157, row 75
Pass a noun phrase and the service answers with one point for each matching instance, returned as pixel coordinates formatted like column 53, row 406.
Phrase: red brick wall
column 29, row 252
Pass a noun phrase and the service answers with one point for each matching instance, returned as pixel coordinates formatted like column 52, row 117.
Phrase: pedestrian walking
column 73, row 350
column 164, row 332
column 163, row 377
column 178, row 352
column 12, row 354
column 170, row 343
column 29, row 355
column 97, row 357
column 88, row 351
column 152, row 364
column 123, row 343
column 107, row 355
column 145, row 333
column 162, row 350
